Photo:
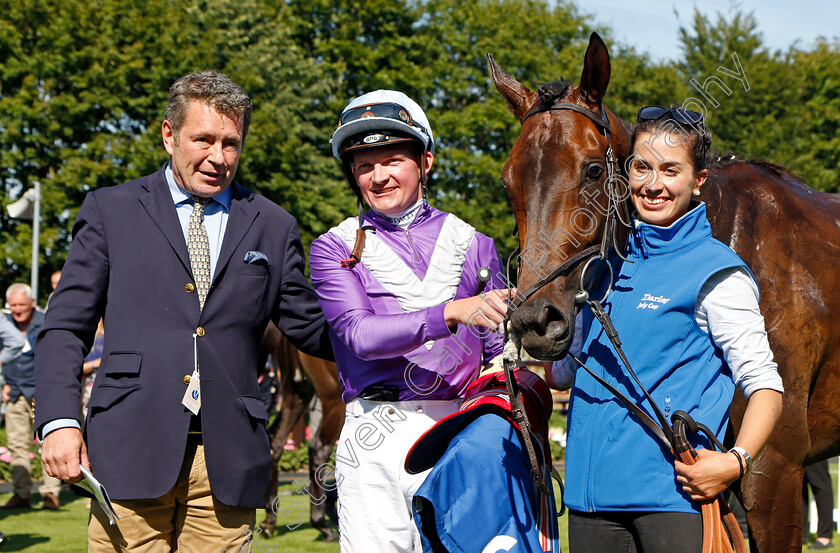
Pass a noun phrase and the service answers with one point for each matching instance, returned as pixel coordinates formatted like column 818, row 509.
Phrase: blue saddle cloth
column 480, row 497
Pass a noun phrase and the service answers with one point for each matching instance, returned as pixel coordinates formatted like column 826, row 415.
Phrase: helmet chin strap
column 423, row 176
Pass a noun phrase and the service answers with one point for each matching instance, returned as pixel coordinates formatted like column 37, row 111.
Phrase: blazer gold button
column 187, row 379
column 190, row 288
column 200, row 331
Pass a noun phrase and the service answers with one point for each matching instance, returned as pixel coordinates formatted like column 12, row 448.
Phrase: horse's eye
column 594, row 172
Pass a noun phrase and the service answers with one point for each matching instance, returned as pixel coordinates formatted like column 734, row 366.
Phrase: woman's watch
column 743, row 453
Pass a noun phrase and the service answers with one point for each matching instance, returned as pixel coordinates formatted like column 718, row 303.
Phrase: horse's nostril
column 554, row 314
column 541, row 317
column 543, row 329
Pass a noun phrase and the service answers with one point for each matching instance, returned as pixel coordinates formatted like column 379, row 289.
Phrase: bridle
column 617, row 213
column 608, row 240
column 720, row 528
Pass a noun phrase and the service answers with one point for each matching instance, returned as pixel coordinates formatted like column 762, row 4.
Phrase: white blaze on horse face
column 662, row 179
column 389, row 177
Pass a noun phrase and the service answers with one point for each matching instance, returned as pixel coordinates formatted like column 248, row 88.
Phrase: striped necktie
column 199, row 249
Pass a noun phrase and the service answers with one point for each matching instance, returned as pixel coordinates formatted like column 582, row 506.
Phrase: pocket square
column 256, row 258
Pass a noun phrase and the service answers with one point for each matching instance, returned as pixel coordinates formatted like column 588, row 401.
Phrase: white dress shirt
column 727, row 310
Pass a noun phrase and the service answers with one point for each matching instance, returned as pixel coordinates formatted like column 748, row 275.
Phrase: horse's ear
column 517, row 95
column 596, row 70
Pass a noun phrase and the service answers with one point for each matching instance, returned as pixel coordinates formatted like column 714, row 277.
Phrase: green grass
column 65, row 531
column 36, row 530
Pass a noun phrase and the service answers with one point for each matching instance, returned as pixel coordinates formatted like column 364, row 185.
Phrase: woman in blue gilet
column 686, row 310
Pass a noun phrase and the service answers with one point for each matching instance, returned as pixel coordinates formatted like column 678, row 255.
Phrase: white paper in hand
column 93, row 486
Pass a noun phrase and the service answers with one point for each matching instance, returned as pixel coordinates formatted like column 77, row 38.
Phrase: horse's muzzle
column 543, row 328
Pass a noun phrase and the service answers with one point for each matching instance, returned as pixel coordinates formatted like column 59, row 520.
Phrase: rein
column 721, row 531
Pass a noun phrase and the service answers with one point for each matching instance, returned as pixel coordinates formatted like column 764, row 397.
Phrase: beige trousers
column 19, row 437
column 188, row 519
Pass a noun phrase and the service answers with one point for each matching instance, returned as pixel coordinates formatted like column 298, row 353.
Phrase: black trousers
column 817, row 477
column 635, row 532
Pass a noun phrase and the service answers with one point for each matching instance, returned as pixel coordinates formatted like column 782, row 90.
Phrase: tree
column 816, row 146
column 790, row 113
column 79, row 90
column 82, row 94
column 287, row 156
column 746, row 119
column 83, row 88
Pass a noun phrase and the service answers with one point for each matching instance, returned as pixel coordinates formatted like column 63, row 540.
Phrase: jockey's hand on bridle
column 486, row 310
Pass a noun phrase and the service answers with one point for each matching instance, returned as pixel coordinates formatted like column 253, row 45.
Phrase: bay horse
column 788, row 234
column 290, row 364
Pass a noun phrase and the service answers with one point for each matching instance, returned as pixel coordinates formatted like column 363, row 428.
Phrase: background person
column 187, row 267
column 818, row 477
column 11, row 342
column 397, row 313
column 19, row 393
column 91, row 362
column 623, row 489
column 54, row 278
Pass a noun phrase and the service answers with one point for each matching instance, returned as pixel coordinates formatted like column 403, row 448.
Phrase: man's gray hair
column 212, row 88
column 18, row 288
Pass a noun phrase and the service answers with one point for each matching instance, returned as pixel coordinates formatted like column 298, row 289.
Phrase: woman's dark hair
column 695, row 136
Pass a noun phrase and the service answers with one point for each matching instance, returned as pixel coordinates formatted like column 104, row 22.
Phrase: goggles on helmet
column 377, row 137
column 386, row 109
column 381, row 117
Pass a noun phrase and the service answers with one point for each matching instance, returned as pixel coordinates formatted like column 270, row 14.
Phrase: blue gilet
column 613, row 462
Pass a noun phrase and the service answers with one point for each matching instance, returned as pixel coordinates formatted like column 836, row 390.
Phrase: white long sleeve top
column 727, row 310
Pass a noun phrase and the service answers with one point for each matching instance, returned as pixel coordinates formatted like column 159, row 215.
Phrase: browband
column 600, row 120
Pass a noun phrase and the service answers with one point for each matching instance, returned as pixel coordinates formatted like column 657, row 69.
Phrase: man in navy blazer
column 129, row 263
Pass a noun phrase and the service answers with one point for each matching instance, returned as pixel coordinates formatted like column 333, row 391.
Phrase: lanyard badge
column 192, row 397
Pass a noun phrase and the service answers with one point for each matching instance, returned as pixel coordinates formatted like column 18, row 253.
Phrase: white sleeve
column 11, row 340
column 727, row 309
column 563, row 371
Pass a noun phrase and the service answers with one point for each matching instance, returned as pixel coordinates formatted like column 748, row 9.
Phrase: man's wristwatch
column 743, row 453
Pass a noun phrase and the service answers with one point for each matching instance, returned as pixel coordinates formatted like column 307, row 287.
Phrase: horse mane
column 551, row 92
column 719, row 161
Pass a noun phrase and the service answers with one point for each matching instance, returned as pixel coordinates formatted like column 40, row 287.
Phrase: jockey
column 400, row 288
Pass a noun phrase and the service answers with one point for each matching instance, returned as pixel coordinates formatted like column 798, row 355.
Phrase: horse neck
column 721, row 211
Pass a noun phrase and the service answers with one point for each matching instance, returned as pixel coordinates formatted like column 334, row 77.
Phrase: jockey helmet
column 381, row 118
